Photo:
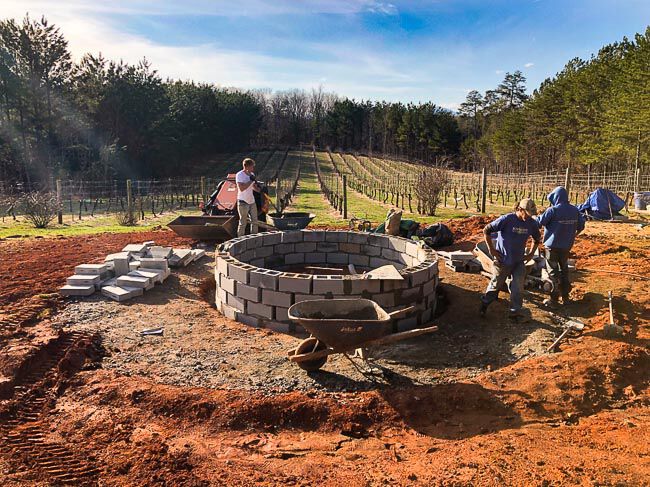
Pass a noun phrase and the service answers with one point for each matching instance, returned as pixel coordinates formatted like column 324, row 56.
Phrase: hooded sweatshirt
column 562, row 221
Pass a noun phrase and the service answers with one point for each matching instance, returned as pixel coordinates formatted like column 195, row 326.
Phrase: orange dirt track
column 577, row 417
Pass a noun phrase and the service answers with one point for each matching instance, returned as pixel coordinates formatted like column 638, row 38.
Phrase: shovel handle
column 400, row 313
column 611, row 308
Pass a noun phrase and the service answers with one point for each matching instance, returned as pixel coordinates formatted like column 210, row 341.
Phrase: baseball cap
column 528, row 205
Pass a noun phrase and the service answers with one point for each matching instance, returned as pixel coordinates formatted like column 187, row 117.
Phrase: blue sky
column 406, row 51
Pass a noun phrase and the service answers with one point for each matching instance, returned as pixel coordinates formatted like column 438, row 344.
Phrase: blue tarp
column 602, row 204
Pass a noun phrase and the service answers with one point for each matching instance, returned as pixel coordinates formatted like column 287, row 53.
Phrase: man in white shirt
column 246, row 206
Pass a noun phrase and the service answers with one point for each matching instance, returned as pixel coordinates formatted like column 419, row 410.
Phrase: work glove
column 252, row 176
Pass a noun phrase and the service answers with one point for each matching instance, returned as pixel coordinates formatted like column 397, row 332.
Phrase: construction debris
column 127, row 274
column 459, row 261
column 612, row 329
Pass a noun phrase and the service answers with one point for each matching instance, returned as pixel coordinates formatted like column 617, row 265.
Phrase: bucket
column 641, row 200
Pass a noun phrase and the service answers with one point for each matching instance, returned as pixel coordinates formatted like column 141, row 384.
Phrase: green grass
column 87, row 226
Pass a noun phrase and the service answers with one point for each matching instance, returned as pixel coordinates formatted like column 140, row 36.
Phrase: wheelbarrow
column 344, row 326
column 292, row 220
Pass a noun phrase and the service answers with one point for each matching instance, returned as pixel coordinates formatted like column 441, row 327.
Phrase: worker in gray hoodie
column 561, row 222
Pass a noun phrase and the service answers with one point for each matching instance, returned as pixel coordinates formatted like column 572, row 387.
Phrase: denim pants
column 246, row 211
column 558, row 270
column 501, row 273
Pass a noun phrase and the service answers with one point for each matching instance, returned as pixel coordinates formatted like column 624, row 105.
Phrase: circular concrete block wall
column 255, row 285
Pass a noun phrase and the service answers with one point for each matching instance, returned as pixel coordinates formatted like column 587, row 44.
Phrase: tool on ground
column 612, row 329
column 343, row 326
column 570, row 324
column 153, row 331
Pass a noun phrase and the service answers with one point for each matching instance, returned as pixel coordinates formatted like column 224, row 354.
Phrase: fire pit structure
column 258, row 277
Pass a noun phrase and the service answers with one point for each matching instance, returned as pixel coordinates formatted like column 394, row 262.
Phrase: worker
column 561, row 222
column 246, row 206
column 510, row 255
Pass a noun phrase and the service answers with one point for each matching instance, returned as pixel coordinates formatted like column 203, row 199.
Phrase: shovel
column 570, row 324
column 612, row 329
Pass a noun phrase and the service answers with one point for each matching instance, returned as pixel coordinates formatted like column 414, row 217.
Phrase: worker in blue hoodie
column 561, row 222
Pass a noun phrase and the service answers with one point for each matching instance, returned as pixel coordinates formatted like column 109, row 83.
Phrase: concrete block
column 120, row 293
column 154, row 263
column 238, row 303
column 239, row 272
column 278, row 326
column 283, row 248
column 385, row 300
column 264, row 278
column 257, row 262
column 315, row 258
column 149, row 243
column 298, row 298
column 276, row 298
column 222, row 294
column 197, row 254
column 77, row 290
column 121, row 266
column 377, row 240
column 83, row 281
column 313, row 235
column 250, row 320
column 392, row 255
column 294, row 236
column 150, row 274
column 371, row 250
column 261, row 310
column 246, row 256
column 227, row 284
column 426, row 316
column 357, row 285
column 160, row 252
column 418, row 275
column 293, row 259
column 271, row 239
column 358, row 238
column 359, row 260
column 409, row 323
column 337, row 258
column 350, row 248
column 429, row 287
column 378, row 262
column 117, row 255
column 129, row 280
column 180, row 257
column 336, row 236
column 265, row 251
column 274, row 261
column 228, row 311
column 409, row 296
column 135, row 248
column 327, row 247
column 295, row 283
column 91, row 269
column 249, row 293
column 281, row 314
column 304, row 247
column 134, row 266
column 397, row 244
column 327, row 284
column 390, row 285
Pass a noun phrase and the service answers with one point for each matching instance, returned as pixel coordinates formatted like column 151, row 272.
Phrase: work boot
column 482, row 309
column 550, row 302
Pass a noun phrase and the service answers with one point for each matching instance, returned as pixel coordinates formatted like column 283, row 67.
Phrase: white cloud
column 499, row 71
column 529, row 65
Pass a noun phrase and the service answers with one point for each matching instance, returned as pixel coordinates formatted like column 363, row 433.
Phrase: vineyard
column 334, row 185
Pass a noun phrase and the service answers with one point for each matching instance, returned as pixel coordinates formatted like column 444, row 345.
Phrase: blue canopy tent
column 602, row 204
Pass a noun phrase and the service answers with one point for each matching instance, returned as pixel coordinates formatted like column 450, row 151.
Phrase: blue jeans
column 501, row 273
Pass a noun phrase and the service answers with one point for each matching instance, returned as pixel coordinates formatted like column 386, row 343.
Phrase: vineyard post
column 637, row 179
column 483, row 188
column 277, row 195
column 59, row 204
column 567, row 178
column 129, row 197
column 345, row 197
column 203, row 189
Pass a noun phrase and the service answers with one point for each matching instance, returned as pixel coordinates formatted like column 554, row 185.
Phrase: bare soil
column 85, row 399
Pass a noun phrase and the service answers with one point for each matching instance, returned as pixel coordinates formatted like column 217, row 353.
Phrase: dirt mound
column 469, row 229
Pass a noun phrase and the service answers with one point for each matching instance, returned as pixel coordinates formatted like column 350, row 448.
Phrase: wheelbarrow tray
column 342, row 324
column 293, row 220
column 217, row 228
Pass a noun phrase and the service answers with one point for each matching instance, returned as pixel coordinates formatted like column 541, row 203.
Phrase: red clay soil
column 581, row 416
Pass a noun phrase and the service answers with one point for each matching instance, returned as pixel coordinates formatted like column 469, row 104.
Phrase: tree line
column 101, row 119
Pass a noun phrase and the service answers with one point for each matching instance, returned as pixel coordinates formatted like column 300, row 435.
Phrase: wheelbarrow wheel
column 311, row 345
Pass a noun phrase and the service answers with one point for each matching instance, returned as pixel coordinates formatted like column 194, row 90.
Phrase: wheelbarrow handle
column 400, row 313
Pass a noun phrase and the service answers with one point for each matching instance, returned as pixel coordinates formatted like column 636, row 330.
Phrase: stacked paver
column 127, row 274
column 254, row 288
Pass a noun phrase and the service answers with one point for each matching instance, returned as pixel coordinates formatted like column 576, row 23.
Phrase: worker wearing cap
column 561, row 222
column 509, row 253
column 246, row 206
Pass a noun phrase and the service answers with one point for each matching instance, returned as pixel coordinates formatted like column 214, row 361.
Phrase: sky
column 408, row 51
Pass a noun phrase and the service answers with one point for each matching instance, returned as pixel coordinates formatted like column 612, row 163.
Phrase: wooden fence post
column 129, row 197
column 203, row 189
column 278, row 206
column 637, row 180
column 59, row 202
column 345, row 197
column 483, row 188
column 567, row 178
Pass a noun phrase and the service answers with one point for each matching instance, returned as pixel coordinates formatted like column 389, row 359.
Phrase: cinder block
column 159, row 252
column 229, row 312
column 392, row 255
column 305, row 247
column 409, row 296
column 238, row 303
column 371, row 250
column 247, row 256
column 91, row 269
column 135, row 248
column 135, row 265
column 84, row 281
column 429, row 287
column 264, row 278
column 336, row 236
column 277, row 326
column 227, row 284
column 397, row 244
column 281, row 314
column 292, row 259
column 313, row 235
column 250, row 320
column 350, row 248
column 117, row 255
column 130, row 280
column 327, row 284
column 156, row 275
column 359, row 260
column 121, row 266
column 357, row 285
column 261, row 310
column 257, row 262
column 385, row 300
column 263, row 251
column 222, row 294
column 418, row 275
column 298, row 298
column 390, row 285
column 378, row 262
column 406, row 324
column 292, row 236
column 327, row 247
column 77, row 290
column 276, row 298
column 270, row 239
column 377, row 240
column 315, row 258
column 412, row 249
column 284, row 248
column 426, row 316
column 239, row 271
column 295, row 283
column 274, row 261
column 154, row 263
column 249, row 293
column 119, row 293
column 337, row 258
column 180, row 257
column 358, row 238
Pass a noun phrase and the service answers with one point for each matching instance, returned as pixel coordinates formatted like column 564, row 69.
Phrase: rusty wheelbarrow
column 344, row 326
